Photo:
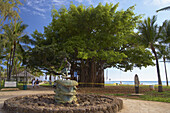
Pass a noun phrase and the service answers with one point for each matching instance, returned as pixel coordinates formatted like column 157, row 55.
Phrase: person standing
column 33, row 82
column 37, row 83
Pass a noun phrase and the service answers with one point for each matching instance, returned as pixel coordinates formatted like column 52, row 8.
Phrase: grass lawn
column 126, row 90
column 156, row 96
column 47, row 84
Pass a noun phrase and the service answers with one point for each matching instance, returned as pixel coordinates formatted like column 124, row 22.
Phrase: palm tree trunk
column 0, row 77
column 10, row 71
column 158, row 71
column 165, row 71
column 16, row 74
column 7, row 68
column 9, row 65
column 159, row 76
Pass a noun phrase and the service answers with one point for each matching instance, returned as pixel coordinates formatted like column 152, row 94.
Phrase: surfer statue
column 65, row 67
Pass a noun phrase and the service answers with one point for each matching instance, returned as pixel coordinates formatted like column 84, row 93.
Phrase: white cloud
column 25, row 9
column 90, row 2
column 39, row 9
column 80, row 1
column 110, row 1
column 60, row 2
column 37, row 13
column 29, row 3
column 160, row 3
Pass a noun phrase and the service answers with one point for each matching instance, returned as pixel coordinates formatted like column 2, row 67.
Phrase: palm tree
column 149, row 35
column 14, row 37
column 164, row 52
column 6, row 50
column 164, row 49
column 165, row 8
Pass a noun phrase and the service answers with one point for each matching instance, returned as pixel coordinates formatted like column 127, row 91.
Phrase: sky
column 37, row 14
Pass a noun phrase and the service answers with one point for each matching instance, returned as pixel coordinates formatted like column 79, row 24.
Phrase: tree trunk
column 73, row 67
column 0, row 77
column 85, row 74
column 82, row 74
column 10, row 71
column 16, row 74
column 100, row 75
column 26, row 76
column 50, row 78
column 91, row 73
column 158, row 71
column 165, row 71
column 9, row 65
column 7, row 69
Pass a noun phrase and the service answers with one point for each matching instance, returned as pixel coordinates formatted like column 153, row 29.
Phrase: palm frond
column 165, row 8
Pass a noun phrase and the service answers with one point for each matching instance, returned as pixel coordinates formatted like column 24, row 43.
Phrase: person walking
column 37, row 83
column 33, row 82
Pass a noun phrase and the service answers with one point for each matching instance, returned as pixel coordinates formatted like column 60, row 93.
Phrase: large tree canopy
column 94, row 38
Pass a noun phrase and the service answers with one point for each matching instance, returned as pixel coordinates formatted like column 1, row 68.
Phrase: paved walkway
column 140, row 106
column 4, row 95
column 130, row 105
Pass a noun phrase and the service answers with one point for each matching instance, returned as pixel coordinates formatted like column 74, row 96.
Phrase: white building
column 22, row 76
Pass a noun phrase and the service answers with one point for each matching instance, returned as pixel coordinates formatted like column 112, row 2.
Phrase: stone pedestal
column 65, row 91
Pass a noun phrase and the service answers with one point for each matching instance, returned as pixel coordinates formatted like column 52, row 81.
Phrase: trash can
column 24, row 87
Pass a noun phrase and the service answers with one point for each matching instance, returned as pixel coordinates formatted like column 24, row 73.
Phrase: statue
column 136, row 84
column 65, row 67
column 65, row 90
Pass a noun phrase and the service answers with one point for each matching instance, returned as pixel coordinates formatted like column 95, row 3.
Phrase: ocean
column 111, row 82
column 141, row 82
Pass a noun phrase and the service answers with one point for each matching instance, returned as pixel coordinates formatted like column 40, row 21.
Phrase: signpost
column 136, row 84
column 10, row 84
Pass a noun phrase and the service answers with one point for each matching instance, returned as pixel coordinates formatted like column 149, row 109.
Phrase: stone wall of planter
column 46, row 104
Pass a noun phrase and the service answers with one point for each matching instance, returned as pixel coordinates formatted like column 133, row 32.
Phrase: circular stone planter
column 46, row 104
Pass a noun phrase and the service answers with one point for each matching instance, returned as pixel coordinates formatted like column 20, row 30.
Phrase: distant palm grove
column 92, row 39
